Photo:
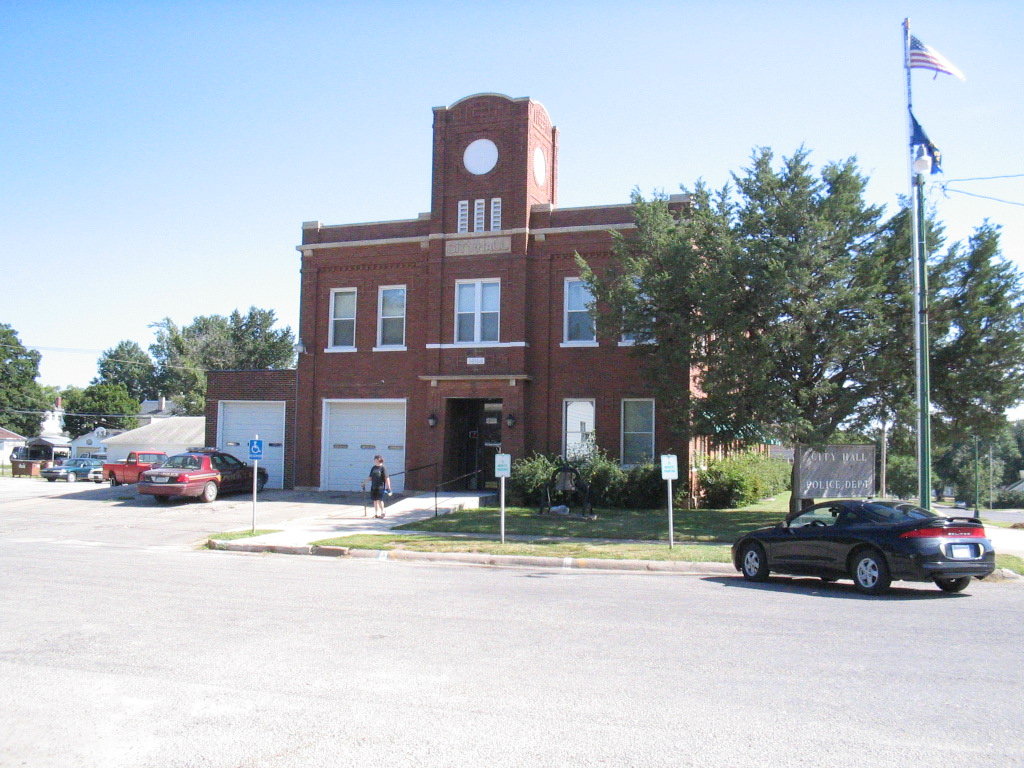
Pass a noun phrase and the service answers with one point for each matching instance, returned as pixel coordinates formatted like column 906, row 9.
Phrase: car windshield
column 895, row 512
column 182, row 462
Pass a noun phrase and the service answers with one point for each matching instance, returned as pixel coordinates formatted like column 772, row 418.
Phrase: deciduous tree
column 21, row 399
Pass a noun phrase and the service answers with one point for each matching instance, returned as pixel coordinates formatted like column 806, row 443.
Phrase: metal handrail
column 453, row 480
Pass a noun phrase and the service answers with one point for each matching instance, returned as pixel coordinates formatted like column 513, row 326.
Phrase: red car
column 201, row 472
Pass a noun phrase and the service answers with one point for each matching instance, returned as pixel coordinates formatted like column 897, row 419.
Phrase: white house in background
column 90, row 444
column 8, row 442
column 151, row 410
column 174, row 434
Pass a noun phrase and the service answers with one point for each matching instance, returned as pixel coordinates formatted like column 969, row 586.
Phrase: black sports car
column 871, row 542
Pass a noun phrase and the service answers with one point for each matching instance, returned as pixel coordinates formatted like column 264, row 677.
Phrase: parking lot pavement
column 34, row 508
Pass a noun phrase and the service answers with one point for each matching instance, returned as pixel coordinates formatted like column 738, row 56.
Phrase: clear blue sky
column 157, row 159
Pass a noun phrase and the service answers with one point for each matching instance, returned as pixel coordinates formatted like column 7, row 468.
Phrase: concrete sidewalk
column 347, row 517
column 296, row 537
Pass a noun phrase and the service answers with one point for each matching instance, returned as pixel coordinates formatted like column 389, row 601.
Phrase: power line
column 987, row 178
column 100, row 352
column 103, row 415
column 983, row 197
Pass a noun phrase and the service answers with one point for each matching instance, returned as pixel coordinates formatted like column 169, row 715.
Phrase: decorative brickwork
column 254, row 385
column 462, row 401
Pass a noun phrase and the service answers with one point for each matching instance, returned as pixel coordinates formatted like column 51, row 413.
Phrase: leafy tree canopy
column 98, row 405
column 215, row 342
column 127, row 364
column 19, row 392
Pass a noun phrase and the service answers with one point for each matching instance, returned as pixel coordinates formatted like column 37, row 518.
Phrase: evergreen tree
column 977, row 326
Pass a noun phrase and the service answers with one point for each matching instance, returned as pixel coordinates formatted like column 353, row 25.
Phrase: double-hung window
column 579, row 323
column 637, row 432
column 391, row 317
column 577, row 427
column 477, row 310
column 343, row 318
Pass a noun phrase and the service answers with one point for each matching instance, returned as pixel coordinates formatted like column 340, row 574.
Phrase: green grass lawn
column 693, row 553
column 700, row 525
column 232, row 535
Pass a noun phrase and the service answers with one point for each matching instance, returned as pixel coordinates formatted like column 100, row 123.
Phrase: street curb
column 477, row 558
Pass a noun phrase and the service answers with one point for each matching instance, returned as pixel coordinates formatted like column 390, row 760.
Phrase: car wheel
column 162, row 499
column 953, row 585
column 51, row 479
column 870, row 572
column 209, row 492
column 114, row 482
column 72, row 477
column 260, row 482
column 754, row 563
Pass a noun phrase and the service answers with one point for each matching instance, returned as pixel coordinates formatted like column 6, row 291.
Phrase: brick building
column 439, row 340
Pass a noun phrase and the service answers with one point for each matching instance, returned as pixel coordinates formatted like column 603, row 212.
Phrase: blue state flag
column 918, row 138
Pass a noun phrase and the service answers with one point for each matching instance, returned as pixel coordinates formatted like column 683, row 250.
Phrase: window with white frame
column 343, row 318
column 391, row 320
column 478, row 215
column 577, row 427
column 477, row 310
column 579, row 323
column 495, row 213
column 462, row 225
column 637, row 432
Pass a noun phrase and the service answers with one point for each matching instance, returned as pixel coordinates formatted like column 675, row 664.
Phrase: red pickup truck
column 134, row 465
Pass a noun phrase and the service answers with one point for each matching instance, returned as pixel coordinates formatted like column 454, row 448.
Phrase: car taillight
column 181, row 479
column 975, row 532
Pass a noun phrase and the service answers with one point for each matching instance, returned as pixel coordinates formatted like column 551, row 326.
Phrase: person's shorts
column 377, row 492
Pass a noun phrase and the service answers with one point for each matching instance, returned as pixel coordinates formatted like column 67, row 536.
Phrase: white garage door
column 354, row 432
column 239, row 421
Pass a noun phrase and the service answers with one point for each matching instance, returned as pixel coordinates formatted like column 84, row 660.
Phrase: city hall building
column 440, row 340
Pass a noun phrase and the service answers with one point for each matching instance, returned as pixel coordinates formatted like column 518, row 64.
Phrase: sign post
column 670, row 472
column 255, row 454
column 502, row 469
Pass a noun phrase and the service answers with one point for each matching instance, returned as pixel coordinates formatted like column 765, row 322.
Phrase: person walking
column 380, row 483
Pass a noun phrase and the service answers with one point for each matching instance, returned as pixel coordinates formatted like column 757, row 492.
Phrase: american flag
column 923, row 56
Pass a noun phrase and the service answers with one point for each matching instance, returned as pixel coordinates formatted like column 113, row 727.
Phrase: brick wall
column 255, row 385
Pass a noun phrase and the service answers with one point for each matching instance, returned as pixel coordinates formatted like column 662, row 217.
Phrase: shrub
column 643, row 487
column 602, row 474
column 1009, row 500
column 530, row 478
column 740, row 479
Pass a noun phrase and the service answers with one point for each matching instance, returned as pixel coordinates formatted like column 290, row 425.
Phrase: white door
column 354, row 432
column 240, row 421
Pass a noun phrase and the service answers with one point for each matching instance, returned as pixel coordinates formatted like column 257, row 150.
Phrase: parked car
column 73, row 470
column 135, row 464
column 871, row 542
column 202, row 472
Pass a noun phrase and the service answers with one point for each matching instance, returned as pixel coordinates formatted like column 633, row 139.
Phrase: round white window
column 480, row 156
column 540, row 166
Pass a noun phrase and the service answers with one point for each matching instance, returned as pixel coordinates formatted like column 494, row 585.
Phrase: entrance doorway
column 473, row 438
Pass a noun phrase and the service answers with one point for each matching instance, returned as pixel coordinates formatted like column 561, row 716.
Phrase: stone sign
column 835, row 472
column 478, row 246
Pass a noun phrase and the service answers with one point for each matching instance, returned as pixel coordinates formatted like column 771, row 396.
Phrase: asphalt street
column 147, row 652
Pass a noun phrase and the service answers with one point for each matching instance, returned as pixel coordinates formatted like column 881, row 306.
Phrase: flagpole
column 920, row 270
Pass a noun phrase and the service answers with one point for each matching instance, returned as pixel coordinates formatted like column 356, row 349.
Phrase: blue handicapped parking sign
column 255, row 450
